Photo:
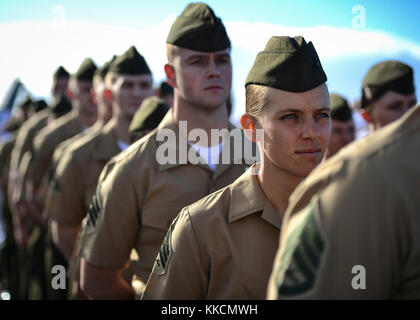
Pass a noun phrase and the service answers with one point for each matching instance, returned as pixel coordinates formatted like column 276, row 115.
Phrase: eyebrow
column 300, row 111
column 195, row 56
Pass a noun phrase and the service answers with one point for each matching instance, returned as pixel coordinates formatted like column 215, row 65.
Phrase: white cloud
column 32, row 50
column 330, row 42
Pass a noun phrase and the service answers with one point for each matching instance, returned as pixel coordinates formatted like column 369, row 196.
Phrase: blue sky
column 397, row 17
column 103, row 28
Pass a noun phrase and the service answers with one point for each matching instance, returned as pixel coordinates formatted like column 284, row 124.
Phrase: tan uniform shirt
column 221, row 247
column 26, row 135
column 352, row 229
column 62, row 151
column 5, row 153
column 23, row 144
column 137, row 199
column 77, row 175
column 45, row 143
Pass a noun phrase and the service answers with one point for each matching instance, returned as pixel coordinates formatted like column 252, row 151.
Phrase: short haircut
column 256, row 99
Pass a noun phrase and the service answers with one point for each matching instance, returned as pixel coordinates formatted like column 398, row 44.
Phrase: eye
column 196, row 61
column 223, row 60
column 322, row 115
column 145, row 85
column 412, row 103
column 290, row 116
column 127, row 85
column 394, row 106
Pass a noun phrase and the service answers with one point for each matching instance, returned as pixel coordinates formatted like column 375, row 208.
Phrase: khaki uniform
column 26, row 135
column 63, row 150
column 77, row 175
column 221, row 247
column 45, row 143
column 53, row 255
column 5, row 154
column 24, row 143
column 354, row 223
column 137, row 199
column 36, row 166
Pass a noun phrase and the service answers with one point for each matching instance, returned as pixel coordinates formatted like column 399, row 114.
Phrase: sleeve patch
column 301, row 256
column 164, row 255
column 94, row 212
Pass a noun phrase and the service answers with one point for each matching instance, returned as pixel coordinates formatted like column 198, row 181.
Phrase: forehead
column 187, row 53
column 317, row 98
column 61, row 80
column 342, row 124
column 392, row 96
column 84, row 83
column 123, row 78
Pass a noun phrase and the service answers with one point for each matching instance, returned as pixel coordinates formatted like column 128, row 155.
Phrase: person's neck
column 86, row 119
column 199, row 118
column 103, row 115
column 277, row 184
column 121, row 128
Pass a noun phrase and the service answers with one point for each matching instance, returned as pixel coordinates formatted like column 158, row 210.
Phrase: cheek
column 383, row 115
column 334, row 140
column 325, row 133
column 124, row 94
column 279, row 138
column 147, row 92
column 86, row 96
column 227, row 75
column 189, row 81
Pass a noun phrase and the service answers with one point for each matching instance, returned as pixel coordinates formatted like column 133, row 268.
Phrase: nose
column 137, row 91
column 213, row 69
column 310, row 129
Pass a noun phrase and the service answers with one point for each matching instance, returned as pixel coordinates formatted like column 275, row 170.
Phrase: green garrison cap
column 60, row 72
column 386, row 76
column 340, row 109
column 149, row 115
column 26, row 103
column 86, row 70
column 61, row 106
column 102, row 71
column 165, row 89
column 197, row 28
column 38, row 105
column 130, row 62
column 288, row 64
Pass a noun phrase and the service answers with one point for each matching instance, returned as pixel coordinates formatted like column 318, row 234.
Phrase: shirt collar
column 107, row 145
column 247, row 198
column 169, row 122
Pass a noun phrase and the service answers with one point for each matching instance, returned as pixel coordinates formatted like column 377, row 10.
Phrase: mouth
column 135, row 104
column 213, row 87
column 309, row 153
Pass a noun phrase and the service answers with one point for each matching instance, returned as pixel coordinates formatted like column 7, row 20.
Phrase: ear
column 170, row 75
column 248, row 125
column 366, row 115
column 93, row 95
column 108, row 95
column 69, row 94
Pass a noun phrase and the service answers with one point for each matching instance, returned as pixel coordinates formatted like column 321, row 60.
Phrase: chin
column 303, row 169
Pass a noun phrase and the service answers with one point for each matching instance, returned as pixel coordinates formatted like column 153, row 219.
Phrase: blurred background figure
column 342, row 124
column 60, row 82
column 166, row 92
column 387, row 93
column 147, row 118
